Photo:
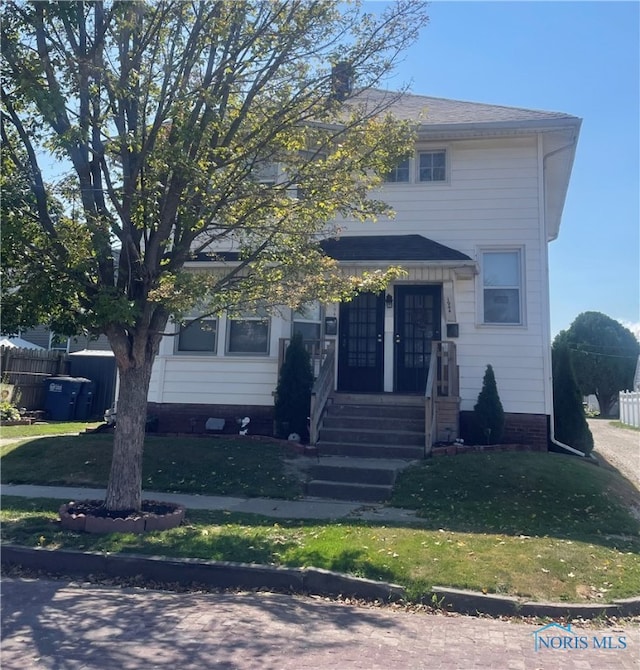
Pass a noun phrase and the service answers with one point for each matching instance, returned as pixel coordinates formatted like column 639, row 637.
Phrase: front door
column 361, row 344
column 417, row 325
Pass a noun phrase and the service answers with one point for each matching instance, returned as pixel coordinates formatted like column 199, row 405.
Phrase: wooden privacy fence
column 630, row 408
column 27, row 369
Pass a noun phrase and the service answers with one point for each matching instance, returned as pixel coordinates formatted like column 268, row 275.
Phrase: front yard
column 543, row 526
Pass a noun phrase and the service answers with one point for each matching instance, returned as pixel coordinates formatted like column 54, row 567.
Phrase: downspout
column 544, row 245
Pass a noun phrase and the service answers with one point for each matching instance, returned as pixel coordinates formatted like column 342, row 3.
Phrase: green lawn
column 543, row 526
column 36, row 429
column 520, row 493
column 213, row 465
column 540, row 568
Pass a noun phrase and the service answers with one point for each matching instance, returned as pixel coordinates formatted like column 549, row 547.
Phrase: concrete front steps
column 361, row 479
column 364, row 441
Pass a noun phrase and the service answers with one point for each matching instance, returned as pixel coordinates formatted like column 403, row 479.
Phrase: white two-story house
column 476, row 206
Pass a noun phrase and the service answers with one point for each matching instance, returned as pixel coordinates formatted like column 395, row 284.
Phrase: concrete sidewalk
column 305, row 508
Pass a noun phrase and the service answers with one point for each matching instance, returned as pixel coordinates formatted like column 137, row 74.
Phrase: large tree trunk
column 124, row 490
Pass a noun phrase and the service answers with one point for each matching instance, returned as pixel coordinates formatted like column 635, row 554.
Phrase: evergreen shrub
column 568, row 412
column 293, row 393
column 488, row 412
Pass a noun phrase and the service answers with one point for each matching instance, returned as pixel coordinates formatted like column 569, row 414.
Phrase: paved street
column 68, row 626
column 620, row 447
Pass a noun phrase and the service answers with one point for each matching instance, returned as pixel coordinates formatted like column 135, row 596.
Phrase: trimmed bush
column 568, row 412
column 488, row 412
column 293, row 393
column 9, row 412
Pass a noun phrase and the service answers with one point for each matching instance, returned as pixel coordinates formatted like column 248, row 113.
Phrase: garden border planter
column 140, row 523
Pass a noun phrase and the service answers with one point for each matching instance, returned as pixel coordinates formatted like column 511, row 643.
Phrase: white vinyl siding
column 237, row 379
column 225, row 380
column 490, row 201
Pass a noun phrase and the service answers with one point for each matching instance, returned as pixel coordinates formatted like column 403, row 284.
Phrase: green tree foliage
column 603, row 355
column 163, row 118
column 293, row 393
column 51, row 295
column 488, row 412
column 568, row 412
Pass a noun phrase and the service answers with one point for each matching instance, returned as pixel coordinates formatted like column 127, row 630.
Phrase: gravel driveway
column 620, row 447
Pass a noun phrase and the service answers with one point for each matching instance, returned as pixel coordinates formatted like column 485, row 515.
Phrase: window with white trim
column 502, row 287
column 307, row 321
column 198, row 337
column 432, row 166
column 265, row 172
column 425, row 167
column 249, row 334
column 400, row 173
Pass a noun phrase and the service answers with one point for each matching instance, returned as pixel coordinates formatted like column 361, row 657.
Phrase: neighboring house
column 47, row 339
column 476, row 206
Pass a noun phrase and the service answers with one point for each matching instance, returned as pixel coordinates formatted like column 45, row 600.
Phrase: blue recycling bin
column 68, row 398
column 84, row 402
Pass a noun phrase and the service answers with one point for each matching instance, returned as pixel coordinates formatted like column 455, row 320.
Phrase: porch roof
column 390, row 248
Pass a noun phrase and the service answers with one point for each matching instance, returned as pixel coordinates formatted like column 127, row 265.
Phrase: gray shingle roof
column 389, row 248
column 430, row 111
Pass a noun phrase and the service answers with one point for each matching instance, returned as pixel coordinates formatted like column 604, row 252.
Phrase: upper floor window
column 432, row 166
column 198, row 337
column 502, row 287
column 266, row 173
column 249, row 334
column 400, row 173
column 424, row 167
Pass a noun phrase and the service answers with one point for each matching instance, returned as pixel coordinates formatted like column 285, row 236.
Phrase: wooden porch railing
column 447, row 368
column 429, row 403
column 316, row 348
column 322, row 389
column 442, row 381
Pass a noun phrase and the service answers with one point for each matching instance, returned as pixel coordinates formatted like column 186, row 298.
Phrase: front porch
column 434, row 413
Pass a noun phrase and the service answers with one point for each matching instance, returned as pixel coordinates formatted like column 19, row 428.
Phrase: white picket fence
column 630, row 408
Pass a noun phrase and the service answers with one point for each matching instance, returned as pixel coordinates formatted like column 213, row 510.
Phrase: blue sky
column 581, row 58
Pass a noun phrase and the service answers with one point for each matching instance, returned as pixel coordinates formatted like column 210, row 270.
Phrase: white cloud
column 634, row 327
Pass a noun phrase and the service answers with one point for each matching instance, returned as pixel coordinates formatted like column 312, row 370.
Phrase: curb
column 308, row 581
column 471, row 602
column 188, row 571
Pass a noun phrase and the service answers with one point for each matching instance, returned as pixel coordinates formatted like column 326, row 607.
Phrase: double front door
column 361, row 345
